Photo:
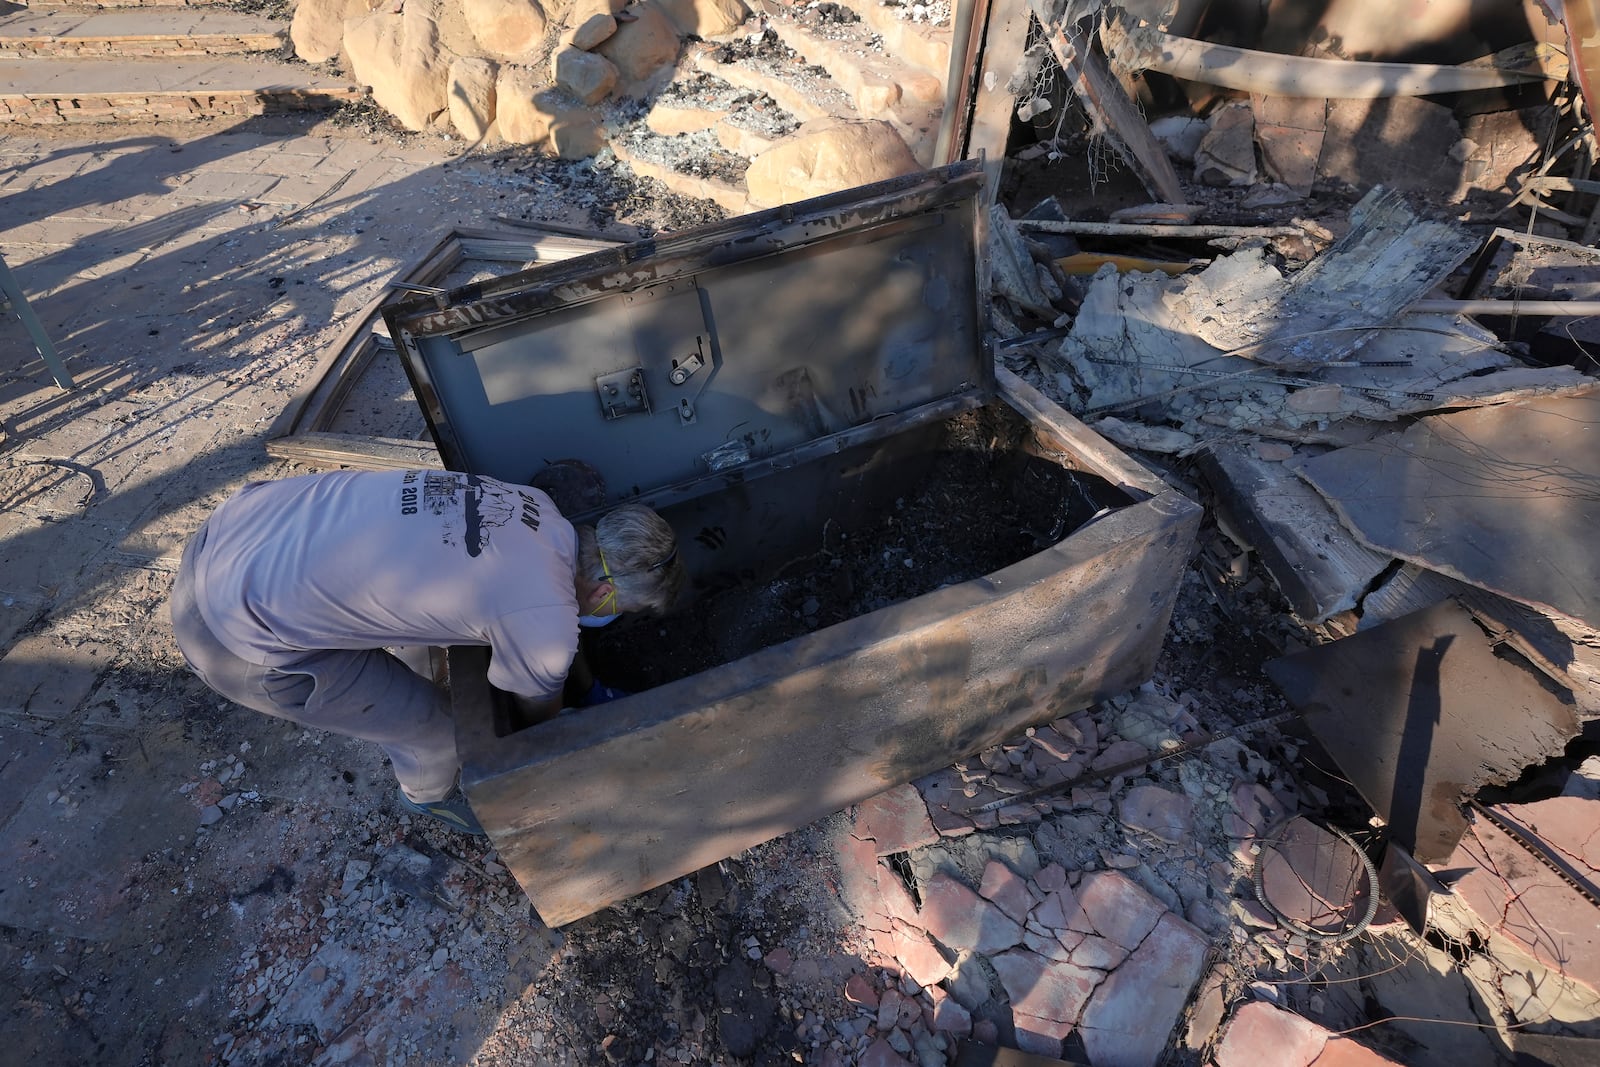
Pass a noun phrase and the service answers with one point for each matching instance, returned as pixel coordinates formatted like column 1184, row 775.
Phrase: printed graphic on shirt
column 476, row 505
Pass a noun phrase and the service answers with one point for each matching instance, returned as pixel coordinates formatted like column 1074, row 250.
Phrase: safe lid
column 716, row 349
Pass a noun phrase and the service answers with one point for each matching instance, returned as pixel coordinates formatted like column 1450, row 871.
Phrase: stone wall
column 536, row 71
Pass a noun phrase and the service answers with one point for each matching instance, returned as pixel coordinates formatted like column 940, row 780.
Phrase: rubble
column 1176, row 871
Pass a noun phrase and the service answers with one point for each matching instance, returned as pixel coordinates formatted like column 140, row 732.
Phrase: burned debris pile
column 1339, row 297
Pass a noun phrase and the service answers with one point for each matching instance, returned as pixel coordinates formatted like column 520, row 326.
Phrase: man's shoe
column 453, row 811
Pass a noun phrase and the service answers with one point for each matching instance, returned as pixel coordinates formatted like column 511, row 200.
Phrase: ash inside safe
column 848, row 534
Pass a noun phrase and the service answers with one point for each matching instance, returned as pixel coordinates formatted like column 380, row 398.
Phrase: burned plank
column 1239, row 346
column 1317, row 565
column 1114, row 116
column 353, row 450
column 994, row 97
column 1420, row 713
column 1166, row 230
column 1506, row 498
column 1389, row 259
column 1143, row 47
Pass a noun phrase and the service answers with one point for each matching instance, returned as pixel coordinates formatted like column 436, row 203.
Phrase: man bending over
column 289, row 593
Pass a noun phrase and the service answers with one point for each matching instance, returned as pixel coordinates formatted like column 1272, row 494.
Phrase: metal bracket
column 683, row 369
column 622, row 393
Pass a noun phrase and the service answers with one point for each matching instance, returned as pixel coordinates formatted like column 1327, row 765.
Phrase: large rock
column 527, row 113
column 643, row 48
column 400, row 58
column 826, row 156
column 507, row 28
column 585, row 75
column 471, row 93
column 590, row 32
column 705, row 18
column 317, row 29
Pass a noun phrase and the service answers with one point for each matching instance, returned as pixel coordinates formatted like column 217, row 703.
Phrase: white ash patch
column 765, row 118
column 935, row 14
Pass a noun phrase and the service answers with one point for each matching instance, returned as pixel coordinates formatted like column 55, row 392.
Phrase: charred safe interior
column 898, row 555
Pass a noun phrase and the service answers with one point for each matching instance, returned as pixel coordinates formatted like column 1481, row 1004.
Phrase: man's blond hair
column 635, row 550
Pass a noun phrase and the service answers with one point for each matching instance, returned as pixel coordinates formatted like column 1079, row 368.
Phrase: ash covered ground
column 272, row 904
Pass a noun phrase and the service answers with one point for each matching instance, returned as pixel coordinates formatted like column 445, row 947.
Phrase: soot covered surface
column 971, row 505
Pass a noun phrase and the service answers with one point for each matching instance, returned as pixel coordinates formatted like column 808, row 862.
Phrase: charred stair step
column 53, row 92
column 879, row 84
column 766, row 65
column 90, row 33
column 909, row 35
column 693, row 164
column 746, row 122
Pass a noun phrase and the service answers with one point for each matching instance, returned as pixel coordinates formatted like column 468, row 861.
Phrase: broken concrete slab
column 1419, row 713
column 1390, row 258
column 1498, row 497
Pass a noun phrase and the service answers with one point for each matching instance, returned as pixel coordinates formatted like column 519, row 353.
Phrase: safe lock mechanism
column 622, row 393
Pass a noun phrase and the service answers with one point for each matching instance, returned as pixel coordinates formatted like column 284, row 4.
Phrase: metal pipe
column 1550, row 308
column 1129, row 229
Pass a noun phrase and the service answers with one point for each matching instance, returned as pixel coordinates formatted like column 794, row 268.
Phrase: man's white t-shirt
column 364, row 559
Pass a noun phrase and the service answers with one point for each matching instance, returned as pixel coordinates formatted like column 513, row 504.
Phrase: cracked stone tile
column 1041, row 989
column 1260, row 1033
column 1133, row 1012
column 897, row 820
column 1161, row 813
column 961, row 919
column 1118, row 908
column 1007, row 889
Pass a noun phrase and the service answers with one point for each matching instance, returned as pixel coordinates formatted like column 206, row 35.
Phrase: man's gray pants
column 364, row 693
